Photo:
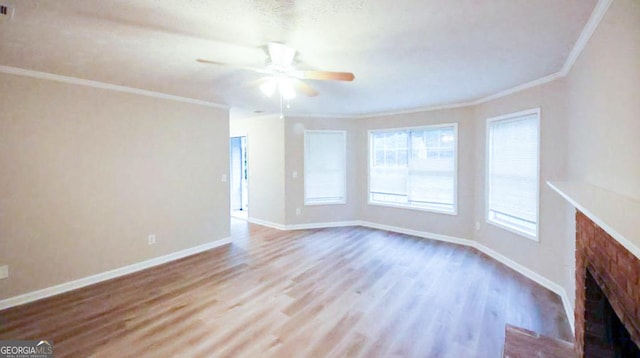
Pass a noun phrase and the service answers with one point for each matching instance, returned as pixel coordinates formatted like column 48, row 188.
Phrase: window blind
column 513, row 172
column 324, row 167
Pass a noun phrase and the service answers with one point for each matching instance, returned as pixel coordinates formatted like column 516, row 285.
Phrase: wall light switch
column 298, row 211
column 151, row 239
column 4, row 272
column 223, row 178
column 294, row 174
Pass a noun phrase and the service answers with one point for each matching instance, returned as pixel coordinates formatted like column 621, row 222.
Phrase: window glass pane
column 388, row 176
column 390, row 158
column 421, row 171
column 402, row 158
column 377, row 140
column 432, row 167
column 379, row 160
column 389, row 181
column 389, row 142
column 513, row 173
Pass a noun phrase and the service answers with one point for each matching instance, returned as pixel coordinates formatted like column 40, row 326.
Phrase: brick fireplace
column 607, row 293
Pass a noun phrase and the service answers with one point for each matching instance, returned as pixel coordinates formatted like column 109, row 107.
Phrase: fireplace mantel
column 618, row 215
column 607, row 270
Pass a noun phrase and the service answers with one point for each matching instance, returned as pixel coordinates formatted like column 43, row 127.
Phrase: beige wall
column 294, row 132
column 453, row 225
column 548, row 257
column 266, row 158
column 590, row 133
column 604, row 104
column 86, row 174
column 603, row 99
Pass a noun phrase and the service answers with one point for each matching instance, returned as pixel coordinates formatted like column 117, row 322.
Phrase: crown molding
column 381, row 114
column 587, row 31
column 592, row 24
column 589, row 28
column 417, row 110
column 519, row 88
column 107, row 86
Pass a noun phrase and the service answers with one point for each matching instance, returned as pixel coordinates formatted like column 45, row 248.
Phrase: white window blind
column 512, row 172
column 324, row 167
column 414, row 168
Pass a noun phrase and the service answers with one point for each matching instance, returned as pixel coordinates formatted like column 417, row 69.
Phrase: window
column 512, row 172
column 324, row 167
column 414, row 168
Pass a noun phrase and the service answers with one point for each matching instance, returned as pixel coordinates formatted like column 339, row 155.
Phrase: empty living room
column 306, row 178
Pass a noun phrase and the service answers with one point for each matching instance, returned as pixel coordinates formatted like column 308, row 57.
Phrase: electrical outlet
column 6, row 12
column 298, row 211
column 4, row 272
column 151, row 239
column 477, row 225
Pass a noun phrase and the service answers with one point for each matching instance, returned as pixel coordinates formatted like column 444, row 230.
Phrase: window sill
column 513, row 230
column 407, row 207
column 317, row 203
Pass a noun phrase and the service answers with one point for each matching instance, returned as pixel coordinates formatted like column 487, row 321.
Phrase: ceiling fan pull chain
column 281, row 114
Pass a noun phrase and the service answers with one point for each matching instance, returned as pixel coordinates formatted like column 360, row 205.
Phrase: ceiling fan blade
column 325, row 75
column 281, row 55
column 304, row 88
column 248, row 68
column 258, row 82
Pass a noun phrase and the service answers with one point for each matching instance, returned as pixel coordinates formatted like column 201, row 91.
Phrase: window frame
column 370, row 154
column 344, row 164
column 487, row 189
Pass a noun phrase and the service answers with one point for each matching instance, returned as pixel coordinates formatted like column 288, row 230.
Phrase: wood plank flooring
column 343, row 292
column 522, row 343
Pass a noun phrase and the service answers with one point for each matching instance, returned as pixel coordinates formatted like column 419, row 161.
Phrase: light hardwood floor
column 329, row 292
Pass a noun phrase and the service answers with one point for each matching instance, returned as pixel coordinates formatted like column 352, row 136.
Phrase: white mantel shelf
column 617, row 214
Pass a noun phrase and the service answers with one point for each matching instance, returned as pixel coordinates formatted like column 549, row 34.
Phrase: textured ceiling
column 405, row 54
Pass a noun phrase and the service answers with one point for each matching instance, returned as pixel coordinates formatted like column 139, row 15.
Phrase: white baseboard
column 568, row 310
column 418, row 233
column 267, row 223
column 480, row 247
column 541, row 280
column 322, row 225
column 89, row 280
column 54, row 290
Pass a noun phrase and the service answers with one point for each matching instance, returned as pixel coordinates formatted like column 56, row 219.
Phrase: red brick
column 615, row 269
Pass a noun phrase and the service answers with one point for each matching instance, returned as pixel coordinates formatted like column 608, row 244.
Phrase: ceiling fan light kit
column 284, row 86
column 268, row 87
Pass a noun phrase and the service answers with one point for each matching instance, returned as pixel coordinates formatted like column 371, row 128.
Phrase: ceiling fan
column 283, row 76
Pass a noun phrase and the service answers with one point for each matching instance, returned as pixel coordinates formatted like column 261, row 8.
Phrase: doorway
column 239, row 182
